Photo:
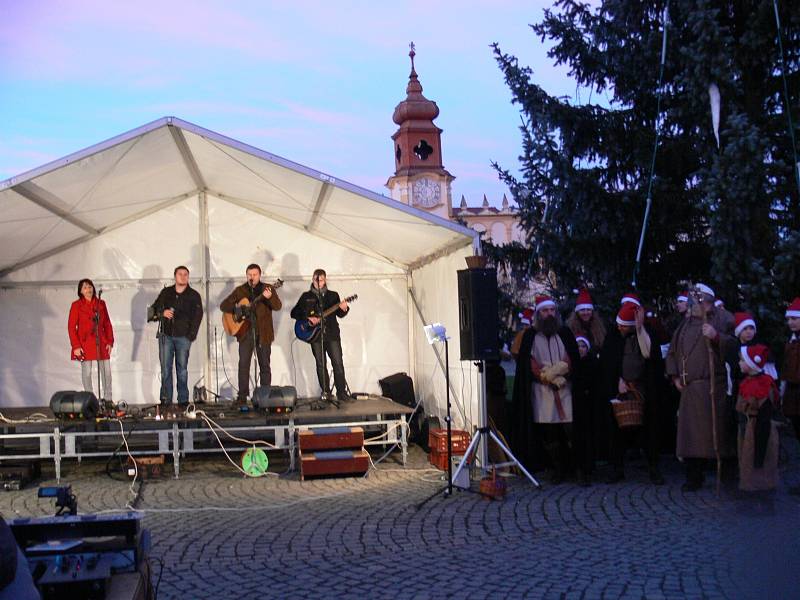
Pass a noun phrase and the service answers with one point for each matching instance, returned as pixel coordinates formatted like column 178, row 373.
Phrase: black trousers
column 559, row 442
column 694, row 468
column 333, row 348
column 646, row 437
column 263, row 351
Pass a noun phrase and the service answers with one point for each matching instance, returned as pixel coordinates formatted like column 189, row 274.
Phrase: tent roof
column 103, row 187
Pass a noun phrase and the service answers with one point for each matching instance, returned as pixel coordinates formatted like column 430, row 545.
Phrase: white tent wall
column 435, row 287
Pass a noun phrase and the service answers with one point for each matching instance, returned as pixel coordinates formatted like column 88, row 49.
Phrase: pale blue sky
column 315, row 82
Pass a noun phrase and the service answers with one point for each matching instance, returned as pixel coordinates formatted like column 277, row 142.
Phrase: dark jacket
column 313, row 304
column 263, row 311
column 188, row 307
column 611, row 366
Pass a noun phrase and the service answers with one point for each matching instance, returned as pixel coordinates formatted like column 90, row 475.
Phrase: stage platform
column 31, row 437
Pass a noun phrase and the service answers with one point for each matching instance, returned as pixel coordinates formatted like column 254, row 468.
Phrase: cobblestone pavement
column 222, row 536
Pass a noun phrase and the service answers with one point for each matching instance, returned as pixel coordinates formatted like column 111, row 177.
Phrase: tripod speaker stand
column 437, row 333
column 484, row 434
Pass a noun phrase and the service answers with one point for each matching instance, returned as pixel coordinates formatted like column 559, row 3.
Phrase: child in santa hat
column 525, row 318
column 758, row 435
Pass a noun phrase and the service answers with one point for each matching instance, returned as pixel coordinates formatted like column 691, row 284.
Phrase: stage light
column 435, row 333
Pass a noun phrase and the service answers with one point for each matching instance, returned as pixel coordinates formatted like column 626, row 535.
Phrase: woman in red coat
column 87, row 316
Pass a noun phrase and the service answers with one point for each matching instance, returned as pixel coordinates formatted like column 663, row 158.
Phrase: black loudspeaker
column 477, row 314
column 399, row 388
column 275, row 399
column 74, row 405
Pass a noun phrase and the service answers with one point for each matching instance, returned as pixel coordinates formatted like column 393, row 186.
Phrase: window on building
column 423, row 150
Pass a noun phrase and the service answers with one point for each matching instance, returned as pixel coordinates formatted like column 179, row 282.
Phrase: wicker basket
column 629, row 411
column 476, row 262
column 493, row 487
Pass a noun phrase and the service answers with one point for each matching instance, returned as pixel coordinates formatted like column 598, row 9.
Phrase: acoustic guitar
column 238, row 322
column 307, row 332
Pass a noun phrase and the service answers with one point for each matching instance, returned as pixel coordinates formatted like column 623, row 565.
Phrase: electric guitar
column 307, row 332
column 238, row 322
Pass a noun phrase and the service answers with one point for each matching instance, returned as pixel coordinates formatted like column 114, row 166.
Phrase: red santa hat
column 683, row 296
column 585, row 340
column 627, row 315
column 631, row 298
column 755, row 356
column 544, row 302
column 583, row 301
column 794, row 308
column 741, row 320
column 525, row 316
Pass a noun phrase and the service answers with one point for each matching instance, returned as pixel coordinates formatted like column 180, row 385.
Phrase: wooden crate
column 437, row 440
column 333, row 462
column 330, row 438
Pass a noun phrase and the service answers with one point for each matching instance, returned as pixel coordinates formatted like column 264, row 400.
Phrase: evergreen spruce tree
column 724, row 214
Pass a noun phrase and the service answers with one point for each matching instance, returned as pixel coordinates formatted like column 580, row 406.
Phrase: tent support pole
column 412, row 338
column 204, row 267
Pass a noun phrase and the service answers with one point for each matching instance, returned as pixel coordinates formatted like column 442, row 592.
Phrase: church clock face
column 426, row 193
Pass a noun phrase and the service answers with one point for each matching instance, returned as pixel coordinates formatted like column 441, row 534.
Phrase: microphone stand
column 325, row 380
column 254, row 331
column 216, row 365
column 161, row 334
column 96, row 319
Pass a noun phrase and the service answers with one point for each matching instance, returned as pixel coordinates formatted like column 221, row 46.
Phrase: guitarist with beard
column 259, row 335
column 310, row 306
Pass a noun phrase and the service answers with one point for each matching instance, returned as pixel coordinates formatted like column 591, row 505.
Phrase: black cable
column 160, row 573
column 294, row 365
column 138, row 496
column 116, row 451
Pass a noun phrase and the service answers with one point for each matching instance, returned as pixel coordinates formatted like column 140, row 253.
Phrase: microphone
column 100, row 293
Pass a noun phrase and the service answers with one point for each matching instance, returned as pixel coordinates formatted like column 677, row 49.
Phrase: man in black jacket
column 180, row 309
column 310, row 306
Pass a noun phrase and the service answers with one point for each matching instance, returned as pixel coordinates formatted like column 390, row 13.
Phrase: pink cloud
column 97, row 38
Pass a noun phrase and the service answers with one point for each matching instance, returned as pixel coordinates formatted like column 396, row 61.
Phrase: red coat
column 81, row 328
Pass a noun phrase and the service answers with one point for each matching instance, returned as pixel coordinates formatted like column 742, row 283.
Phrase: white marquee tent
column 126, row 211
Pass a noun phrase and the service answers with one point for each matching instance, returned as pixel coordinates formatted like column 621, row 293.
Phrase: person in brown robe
column 790, row 373
column 758, row 436
column 687, row 364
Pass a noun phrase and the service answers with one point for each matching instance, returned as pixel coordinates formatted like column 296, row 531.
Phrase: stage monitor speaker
column 477, row 314
column 400, row 388
column 275, row 399
column 74, row 405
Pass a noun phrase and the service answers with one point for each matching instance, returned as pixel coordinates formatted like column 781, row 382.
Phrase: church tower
column 419, row 178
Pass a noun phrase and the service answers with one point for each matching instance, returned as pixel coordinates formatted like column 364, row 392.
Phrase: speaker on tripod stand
column 477, row 314
column 478, row 330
